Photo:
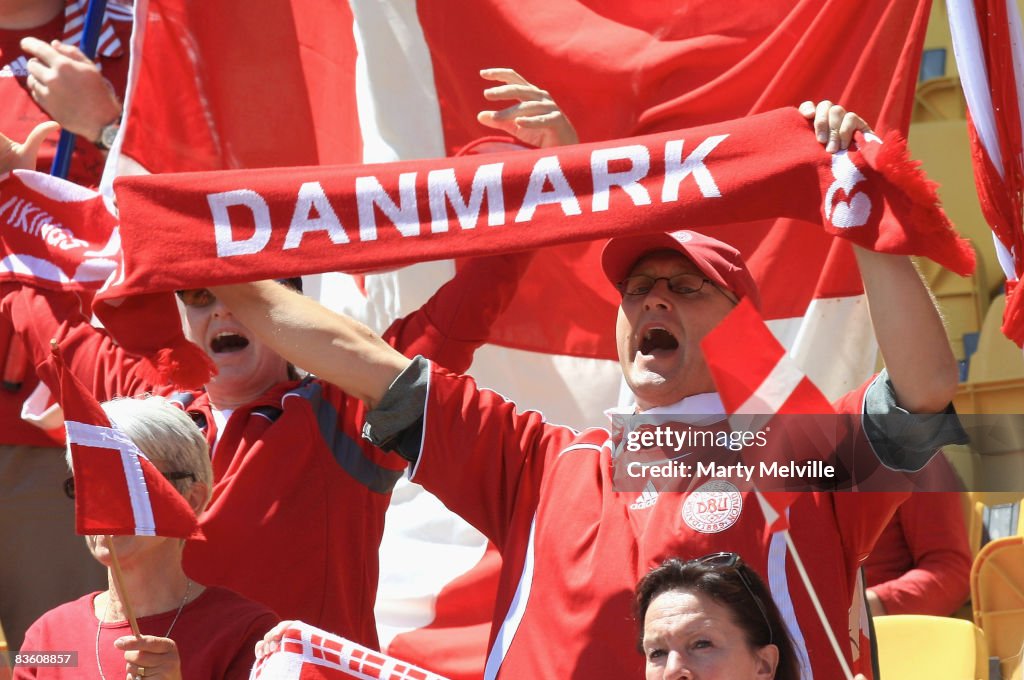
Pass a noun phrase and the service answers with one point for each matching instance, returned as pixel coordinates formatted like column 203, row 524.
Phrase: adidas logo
column 16, row 69
column 645, row 500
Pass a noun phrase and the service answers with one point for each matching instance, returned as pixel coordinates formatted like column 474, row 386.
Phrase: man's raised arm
column 910, row 333
column 336, row 348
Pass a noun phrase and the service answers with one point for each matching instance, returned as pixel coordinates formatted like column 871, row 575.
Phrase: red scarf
column 192, row 230
column 197, row 229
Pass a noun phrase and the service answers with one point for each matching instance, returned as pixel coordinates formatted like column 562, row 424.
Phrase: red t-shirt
column 216, row 635
column 922, row 563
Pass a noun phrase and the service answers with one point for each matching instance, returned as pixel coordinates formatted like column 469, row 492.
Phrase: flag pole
column 90, row 38
column 115, row 567
column 817, row 604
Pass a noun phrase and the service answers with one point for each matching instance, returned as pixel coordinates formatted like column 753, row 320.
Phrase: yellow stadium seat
column 995, row 380
column 997, row 595
column 997, row 357
column 1001, row 509
column 930, row 648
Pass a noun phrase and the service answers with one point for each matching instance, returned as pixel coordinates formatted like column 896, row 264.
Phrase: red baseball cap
column 719, row 261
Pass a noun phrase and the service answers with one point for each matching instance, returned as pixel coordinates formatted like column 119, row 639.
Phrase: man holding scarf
column 572, row 545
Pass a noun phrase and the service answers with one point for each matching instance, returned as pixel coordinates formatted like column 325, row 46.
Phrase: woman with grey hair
column 188, row 630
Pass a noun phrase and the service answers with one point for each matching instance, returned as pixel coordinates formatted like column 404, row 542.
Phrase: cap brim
column 622, row 253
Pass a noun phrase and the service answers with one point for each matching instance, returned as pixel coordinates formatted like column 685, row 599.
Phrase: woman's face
column 689, row 635
column 131, row 550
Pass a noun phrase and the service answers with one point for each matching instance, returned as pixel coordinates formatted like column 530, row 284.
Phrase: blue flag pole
column 90, row 37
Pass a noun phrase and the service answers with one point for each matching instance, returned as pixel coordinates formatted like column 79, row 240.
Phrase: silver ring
column 833, row 133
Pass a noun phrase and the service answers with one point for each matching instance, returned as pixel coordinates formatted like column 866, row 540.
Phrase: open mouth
column 658, row 339
column 228, row 342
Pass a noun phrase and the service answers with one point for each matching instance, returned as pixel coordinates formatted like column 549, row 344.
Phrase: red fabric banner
column 232, row 85
column 227, row 227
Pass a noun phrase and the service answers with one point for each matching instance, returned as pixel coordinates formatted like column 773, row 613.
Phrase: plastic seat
column 997, row 595
column 930, row 648
column 997, row 357
column 991, row 515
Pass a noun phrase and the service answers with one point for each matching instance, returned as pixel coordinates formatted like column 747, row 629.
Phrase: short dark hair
column 725, row 585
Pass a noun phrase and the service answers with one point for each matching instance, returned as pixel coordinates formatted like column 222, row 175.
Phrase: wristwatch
column 107, row 134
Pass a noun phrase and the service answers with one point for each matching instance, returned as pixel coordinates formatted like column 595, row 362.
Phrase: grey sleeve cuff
column 903, row 440
column 397, row 422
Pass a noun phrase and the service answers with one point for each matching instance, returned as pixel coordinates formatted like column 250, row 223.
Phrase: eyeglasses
column 69, row 483
column 197, row 297
column 683, row 284
column 730, row 560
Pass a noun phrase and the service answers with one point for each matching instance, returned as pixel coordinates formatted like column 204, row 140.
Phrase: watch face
column 107, row 136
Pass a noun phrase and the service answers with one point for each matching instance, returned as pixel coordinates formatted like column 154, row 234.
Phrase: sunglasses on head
column 69, row 483
column 730, row 560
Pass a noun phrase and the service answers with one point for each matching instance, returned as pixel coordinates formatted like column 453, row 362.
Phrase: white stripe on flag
column 138, row 492
column 963, row 26
column 773, row 392
column 1017, row 54
column 100, row 437
column 778, row 583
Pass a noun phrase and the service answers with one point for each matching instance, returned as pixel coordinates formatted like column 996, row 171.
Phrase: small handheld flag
column 118, row 491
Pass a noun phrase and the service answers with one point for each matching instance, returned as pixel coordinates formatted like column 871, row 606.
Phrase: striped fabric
column 988, row 42
column 308, row 653
column 108, row 45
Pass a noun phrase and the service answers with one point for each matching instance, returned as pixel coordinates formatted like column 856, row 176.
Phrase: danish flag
column 118, row 491
column 308, row 653
column 756, row 376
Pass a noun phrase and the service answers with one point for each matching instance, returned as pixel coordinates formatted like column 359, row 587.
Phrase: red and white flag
column 308, row 653
column 989, row 45
column 118, row 491
column 756, row 376
column 754, row 373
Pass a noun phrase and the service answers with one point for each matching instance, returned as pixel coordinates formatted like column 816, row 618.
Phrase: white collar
column 705, row 404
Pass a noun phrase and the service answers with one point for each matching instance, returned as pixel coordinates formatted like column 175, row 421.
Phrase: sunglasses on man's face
column 197, row 297
column 69, row 483
column 202, row 297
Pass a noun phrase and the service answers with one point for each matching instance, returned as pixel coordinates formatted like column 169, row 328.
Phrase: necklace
column 106, row 609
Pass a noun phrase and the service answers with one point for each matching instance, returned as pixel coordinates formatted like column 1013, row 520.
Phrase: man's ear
column 767, row 661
